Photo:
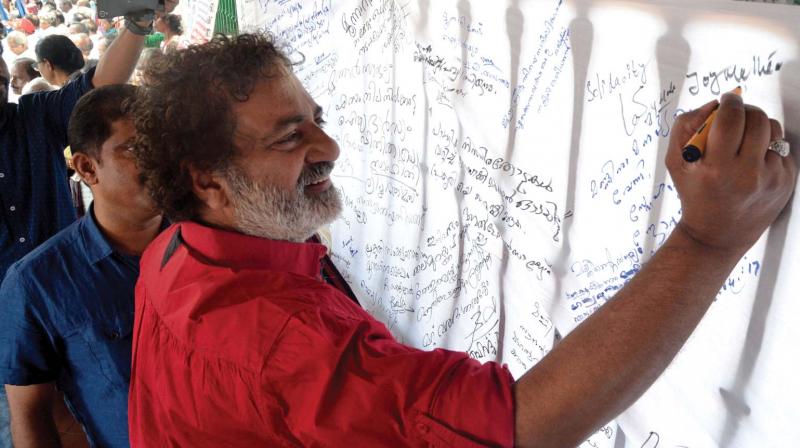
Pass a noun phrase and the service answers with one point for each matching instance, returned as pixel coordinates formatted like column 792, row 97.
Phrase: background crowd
column 47, row 44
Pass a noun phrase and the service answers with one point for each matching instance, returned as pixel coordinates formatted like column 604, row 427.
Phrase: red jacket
column 238, row 342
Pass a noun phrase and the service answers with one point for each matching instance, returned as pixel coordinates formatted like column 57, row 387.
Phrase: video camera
column 108, row 9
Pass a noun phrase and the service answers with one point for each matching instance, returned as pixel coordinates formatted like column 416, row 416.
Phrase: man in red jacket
column 240, row 342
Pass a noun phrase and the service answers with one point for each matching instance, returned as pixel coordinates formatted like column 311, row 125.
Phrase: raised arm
column 728, row 199
column 117, row 64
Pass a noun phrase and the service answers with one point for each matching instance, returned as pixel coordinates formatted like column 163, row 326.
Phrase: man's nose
column 324, row 148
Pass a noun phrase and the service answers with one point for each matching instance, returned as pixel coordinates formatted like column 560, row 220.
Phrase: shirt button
column 2, row 175
column 22, row 240
column 12, row 208
column 422, row 428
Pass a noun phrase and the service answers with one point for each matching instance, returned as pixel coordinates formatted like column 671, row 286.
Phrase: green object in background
column 227, row 22
column 153, row 40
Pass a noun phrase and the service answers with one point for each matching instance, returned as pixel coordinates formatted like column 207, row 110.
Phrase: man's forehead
column 281, row 88
column 272, row 101
column 122, row 131
column 124, row 123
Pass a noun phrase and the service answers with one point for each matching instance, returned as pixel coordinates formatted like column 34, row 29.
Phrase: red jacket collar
column 239, row 251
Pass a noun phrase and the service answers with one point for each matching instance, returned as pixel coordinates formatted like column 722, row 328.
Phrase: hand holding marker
column 696, row 145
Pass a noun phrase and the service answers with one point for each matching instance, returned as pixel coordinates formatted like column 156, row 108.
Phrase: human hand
column 145, row 18
column 738, row 188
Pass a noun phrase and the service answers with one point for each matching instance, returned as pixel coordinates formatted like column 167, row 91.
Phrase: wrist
column 685, row 240
column 140, row 22
column 140, row 28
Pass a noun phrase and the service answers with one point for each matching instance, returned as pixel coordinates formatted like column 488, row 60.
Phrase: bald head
column 17, row 42
column 83, row 42
column 47, row 19
column 78, row 28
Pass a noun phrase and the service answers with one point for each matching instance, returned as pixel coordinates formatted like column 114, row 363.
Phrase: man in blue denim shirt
column 35, row 200
column 69, row 303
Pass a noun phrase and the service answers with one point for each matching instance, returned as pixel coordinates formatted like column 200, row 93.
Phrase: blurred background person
column 17, row 42
column 37, row 85
column 29, row 25
column 22, row 72
column 91, row 26
column 33, row 6
column 83, row 42
column 57, row 59
column 77, row 28
column 47, row 24
column 102, row 44
column 65, row 6
column 15, row 46
column 170, row 26
column 147, row 57
column 61, row 24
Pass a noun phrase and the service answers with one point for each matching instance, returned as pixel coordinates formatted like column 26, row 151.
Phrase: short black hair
column 61, row 52
column 91, row 119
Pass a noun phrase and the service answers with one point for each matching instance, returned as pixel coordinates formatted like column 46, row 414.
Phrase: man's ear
column 86, row 167
column 210, row 188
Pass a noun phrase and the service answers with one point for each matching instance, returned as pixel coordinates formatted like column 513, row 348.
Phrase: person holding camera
column 36, row 204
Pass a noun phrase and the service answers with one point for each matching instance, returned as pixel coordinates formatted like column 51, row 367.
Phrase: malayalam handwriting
column 376, row 22
column 447, row 73
column 372, row 71
column 375, row 94
column 549, row 49
column 303, row 27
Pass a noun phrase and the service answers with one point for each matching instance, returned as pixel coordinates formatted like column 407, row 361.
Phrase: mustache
column 314, row 173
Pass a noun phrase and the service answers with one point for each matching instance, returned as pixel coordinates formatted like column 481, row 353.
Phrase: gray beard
column 267, row 211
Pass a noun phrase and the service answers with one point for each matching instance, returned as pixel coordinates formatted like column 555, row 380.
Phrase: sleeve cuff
column 86, row 80
column 17, row 377
column 436, row 434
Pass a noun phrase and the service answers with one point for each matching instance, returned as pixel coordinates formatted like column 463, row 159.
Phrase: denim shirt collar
column 95, row 243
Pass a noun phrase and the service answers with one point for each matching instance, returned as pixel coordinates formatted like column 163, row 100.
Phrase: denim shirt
column 68, row 319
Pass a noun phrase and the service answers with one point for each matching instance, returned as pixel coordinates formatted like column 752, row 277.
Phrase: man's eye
column 321, row 122
column 294, row 136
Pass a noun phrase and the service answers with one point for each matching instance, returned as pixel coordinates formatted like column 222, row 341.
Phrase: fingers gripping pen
column 696, row 145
